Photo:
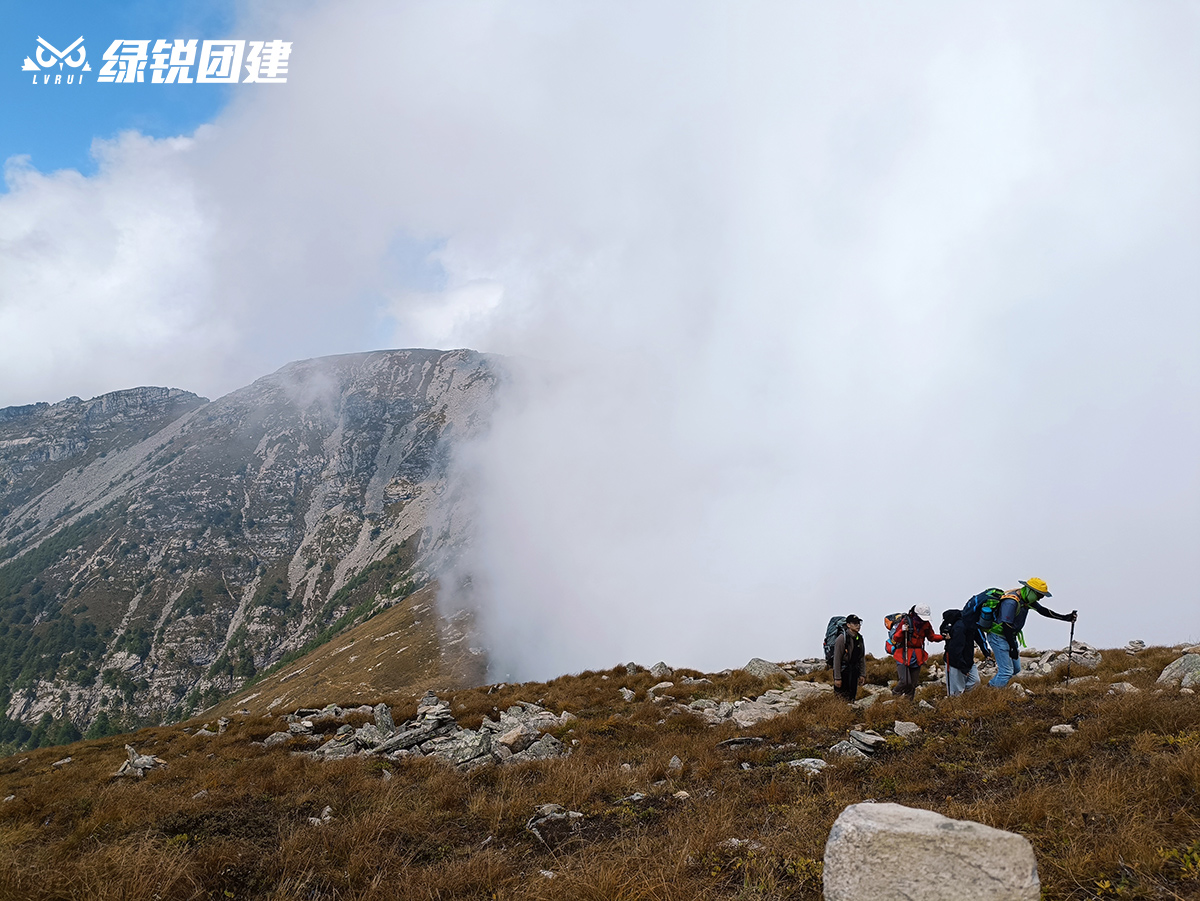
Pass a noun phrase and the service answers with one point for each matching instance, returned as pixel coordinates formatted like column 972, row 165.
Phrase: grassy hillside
column 1111, row 810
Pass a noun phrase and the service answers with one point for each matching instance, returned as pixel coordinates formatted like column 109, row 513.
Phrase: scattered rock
column 627, row 694
column 904, row 729
column 867, row 741
column 553, row 823
column 200, row 795
column 763, row 669
column 659, row 686
column 811, row 766
column 632, row 669
column 872, row 847
column 137, row 764
column 740, row 741
column 1134, row 646
column 62, row 762
column 924, row 705
column 675, row 765
column 1184, row 672
column 277, row 738
column 1062, row 729
column 324, row 819
column 681, row 795
column 661, row 671
column 222, row 725
column 1122, row 688
column 848, row 749
column 9, row 798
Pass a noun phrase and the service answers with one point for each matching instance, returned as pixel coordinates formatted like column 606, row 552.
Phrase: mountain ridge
column 160, row 548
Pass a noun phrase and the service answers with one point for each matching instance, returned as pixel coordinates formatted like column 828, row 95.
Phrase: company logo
column 48, row 56
column 177, row 61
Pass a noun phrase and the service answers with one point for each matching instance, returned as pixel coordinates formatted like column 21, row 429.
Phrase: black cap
column 853, row 618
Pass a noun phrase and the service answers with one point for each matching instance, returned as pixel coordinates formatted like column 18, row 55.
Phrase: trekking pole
column 1070, row 651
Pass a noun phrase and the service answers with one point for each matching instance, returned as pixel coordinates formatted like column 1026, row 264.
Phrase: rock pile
column 138, row 764
column 519, row 734
column 1083, row 657
column 752, row 711
column 872, row 847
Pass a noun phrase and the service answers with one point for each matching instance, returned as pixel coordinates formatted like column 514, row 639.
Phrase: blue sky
column 55, row 124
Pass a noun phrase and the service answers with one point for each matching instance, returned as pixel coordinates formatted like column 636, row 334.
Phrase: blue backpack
column 983, row 608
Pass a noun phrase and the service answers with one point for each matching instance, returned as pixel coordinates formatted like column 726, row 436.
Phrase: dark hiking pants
column 849, row 689
column 908, row 677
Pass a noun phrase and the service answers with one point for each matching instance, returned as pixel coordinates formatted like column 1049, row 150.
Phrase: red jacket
column 909, row 638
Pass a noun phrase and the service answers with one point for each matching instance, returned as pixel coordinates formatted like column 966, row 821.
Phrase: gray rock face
column 888, row 852
column 763, row 669
column 194, row 526
column 1184, row 672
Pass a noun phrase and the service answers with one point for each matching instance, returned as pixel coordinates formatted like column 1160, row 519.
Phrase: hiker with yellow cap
column 1005, row 631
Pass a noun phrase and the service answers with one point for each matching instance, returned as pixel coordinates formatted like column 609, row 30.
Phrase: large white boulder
column 888, row 852
column 1184, row 672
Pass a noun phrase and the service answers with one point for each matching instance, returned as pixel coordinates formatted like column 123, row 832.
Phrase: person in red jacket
column 908, row 636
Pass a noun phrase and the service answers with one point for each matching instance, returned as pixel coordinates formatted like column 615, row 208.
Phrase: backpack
column 892, row 623
column 837, row 625
column 982, row 608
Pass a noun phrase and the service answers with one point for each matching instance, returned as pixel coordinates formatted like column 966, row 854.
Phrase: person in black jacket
column 849, row 659
column 962, row 634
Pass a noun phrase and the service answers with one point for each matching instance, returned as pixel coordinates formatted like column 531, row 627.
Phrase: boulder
column 810, row 766
column 763, row 669
column 627, row 694
column 848, row 749
column 888, row 852
column 276, row 738
column 383, row 719
column 904, row 729
column 518, row 738
column 661, row 671
column 1122, row 688
column 1184, row 672
column 868, row 740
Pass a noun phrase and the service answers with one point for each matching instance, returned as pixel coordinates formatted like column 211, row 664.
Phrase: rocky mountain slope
column 629, row 783
column 160, row 549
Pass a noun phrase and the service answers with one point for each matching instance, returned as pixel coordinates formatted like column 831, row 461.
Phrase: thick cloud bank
column 819, row 308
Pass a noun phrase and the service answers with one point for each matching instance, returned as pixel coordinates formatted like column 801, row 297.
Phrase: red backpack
column 894, row 623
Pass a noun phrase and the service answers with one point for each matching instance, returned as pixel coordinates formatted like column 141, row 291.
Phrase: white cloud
column 851, row 307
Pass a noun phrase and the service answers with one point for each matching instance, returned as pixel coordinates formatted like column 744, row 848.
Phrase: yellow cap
column 1038, row 585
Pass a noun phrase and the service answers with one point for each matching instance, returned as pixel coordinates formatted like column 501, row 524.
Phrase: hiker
column 962, row 634
column 1011, row 611
column 906, row 643
column 849, row 659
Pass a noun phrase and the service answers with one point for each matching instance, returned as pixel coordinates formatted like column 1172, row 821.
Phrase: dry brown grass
column 1111, row 810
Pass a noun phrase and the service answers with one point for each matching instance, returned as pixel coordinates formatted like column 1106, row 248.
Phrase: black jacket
column 850, row 660
column 961, row 636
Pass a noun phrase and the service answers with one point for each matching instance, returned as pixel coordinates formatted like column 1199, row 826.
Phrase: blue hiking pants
column 1007, row 666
